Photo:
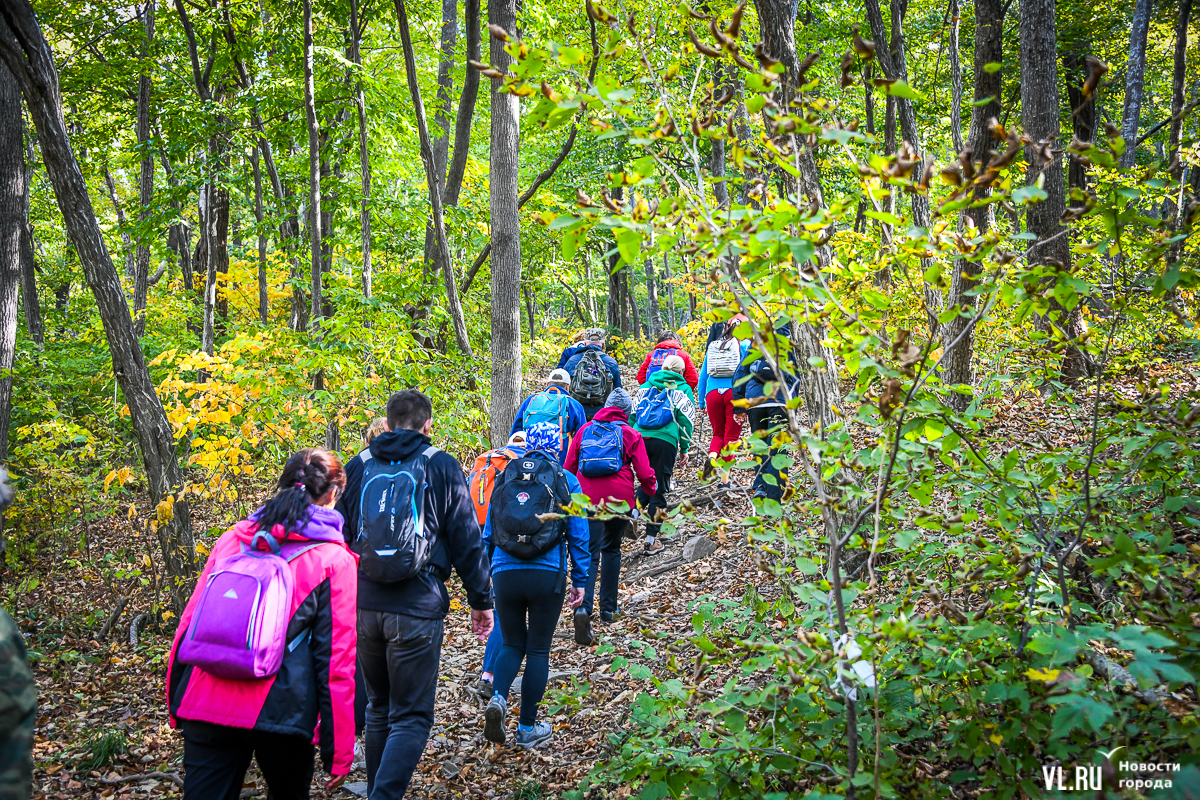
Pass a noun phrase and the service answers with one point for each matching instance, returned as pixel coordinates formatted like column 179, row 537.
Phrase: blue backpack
column 601, row 449
column 544, row 421
column 654, row 410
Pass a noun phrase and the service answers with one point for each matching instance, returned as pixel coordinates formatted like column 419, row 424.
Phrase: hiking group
column 320, row 618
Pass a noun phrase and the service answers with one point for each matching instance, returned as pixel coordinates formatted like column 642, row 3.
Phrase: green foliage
column 107, row 747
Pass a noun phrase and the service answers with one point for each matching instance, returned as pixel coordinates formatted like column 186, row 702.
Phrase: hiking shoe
column 483, row 688
column 609, row 617
column 493, row 719
column 583, row 627
column 539, row 733
column 655, row 548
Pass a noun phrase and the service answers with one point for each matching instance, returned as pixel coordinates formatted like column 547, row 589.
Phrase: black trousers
column 662, row 461
column 528, row 603
column 765, row 422
column 400, row 657
column 604, row 543
column 216, row 757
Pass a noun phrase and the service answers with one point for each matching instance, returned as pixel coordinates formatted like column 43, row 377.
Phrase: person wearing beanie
column 551, row 417
column 590, row 356
column 664, row 408
column 615, row 493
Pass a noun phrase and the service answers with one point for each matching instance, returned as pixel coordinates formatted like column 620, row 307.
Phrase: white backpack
column 723, row 357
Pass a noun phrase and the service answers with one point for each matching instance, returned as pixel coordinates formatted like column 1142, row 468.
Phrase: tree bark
column 29, row 291
column 466, row 107
column 1083, row 115
column 12, row 216
column 314, row 165
column 989, row 47
column 653, row 311
column 670, row 290
column 530, row 308
column 141, row 273
column 956, row 87
column 1179, row 75
column 122, row 221
column 1135, row 80
column 506, row 233
column 441, row 112
column 1039, row 108
column 263, row 298
column 364, row 156
column 614, row 302
column 25, row 52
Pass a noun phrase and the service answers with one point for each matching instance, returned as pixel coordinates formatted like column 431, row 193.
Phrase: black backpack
column 592, row 381
column 390, row 540
column 530, row 485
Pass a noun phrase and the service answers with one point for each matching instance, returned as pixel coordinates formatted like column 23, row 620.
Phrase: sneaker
column 539, row 733
column 583, row 627
column 483, row 688
column 607, row 617
column 655, row 548
column 493, row 719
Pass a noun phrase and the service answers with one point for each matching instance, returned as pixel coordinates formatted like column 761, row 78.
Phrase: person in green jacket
column 663, row 411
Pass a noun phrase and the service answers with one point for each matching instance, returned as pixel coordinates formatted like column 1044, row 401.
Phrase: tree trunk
column 441, row 111
column 314, row 166
column 1083, row 115
column 1039, row 108
column 530, row 308
column 1179, row 75
column 24, row 50
column 435, row 201
column 506, row 234
column 29, row 291
column 989, row 46
column 615, row 301
column 466, row 107
column 653, row 311
column 12, row 216
column 587, row 285
column 670, row 290
column 122, row 222
column 956, row 87
column 1135, row 80
column 364, row 157
column 263, row 299
column 141, row 267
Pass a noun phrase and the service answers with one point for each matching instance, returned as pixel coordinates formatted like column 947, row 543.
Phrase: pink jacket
column 314, row 688
column 619, row 487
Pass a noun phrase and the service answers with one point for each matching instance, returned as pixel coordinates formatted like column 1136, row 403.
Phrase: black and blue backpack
column 390, row 540
column 533, row 484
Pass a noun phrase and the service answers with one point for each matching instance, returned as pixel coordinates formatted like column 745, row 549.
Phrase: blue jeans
column 492, row 651
column 400, row 657
column 604, row 542
column 765, row 423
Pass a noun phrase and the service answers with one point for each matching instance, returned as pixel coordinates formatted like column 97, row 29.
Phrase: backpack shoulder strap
column 430, row 451
column 301, row 551
column 365, row 456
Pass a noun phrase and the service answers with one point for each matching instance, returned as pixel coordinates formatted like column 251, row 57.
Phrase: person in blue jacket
column 551, row 417
column 529, row 599
column 593, row 339
column 758, row 380
column 715, row 396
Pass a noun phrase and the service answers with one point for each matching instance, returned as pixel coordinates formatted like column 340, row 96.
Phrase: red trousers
column 726, row 429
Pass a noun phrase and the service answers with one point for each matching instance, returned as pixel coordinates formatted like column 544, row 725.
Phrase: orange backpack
column 483, row 478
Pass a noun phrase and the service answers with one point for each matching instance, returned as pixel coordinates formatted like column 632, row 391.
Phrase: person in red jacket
column 604, row 535
column 668, row 344
column 226, row 722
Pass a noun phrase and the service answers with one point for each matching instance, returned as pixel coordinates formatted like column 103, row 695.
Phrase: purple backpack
column 239, row 628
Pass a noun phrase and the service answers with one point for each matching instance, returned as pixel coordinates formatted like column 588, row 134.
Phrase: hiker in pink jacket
column 227, row 721
column 604, row 536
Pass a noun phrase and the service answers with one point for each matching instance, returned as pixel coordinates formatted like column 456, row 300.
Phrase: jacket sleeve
column 571, row 462
column 518, row 425
column 173, row 673
column 684, row 411
column 641, row 375
column 689, row 371
column 566, row 354
column 347, row 504
column 702, row 391
column 459, row 527
column 641, row 465
column 334, row 648
column 615, row 369
column 576, row 418
column 577, row 538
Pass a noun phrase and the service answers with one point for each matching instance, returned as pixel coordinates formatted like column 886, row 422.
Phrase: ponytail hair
column 308, row 477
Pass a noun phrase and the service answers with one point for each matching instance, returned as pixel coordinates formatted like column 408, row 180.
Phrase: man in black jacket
column 400, row 624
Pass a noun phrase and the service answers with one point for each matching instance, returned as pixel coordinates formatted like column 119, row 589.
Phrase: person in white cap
column 550, row 417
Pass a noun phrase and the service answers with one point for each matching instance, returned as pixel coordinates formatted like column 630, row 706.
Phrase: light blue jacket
column 552, row 559
column 708, row 383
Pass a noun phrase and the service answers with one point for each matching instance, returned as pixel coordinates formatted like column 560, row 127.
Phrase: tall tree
column 357, row 27
column 434, row 187
column 1083, row 112
column 506, row 232
column 24, row 50
column 141, row 268
column 1135, row 79
column 1178, row 77
column 263, row 299
column 12, row 217
column 1039, row 110
column 989, row 49
column 314, row 164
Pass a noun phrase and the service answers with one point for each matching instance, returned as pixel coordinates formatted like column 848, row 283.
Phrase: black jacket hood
column 398, row 445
